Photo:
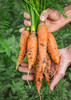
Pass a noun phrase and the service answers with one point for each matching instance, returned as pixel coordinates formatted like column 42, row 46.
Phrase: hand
column 65, row 60
column 54, row 20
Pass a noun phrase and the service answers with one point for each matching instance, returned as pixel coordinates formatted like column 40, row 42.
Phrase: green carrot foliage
column 12, row 87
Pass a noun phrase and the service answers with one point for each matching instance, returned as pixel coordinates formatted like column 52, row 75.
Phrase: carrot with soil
column 52, row 48
column 38, row 74
column 32, row 44
column 31, row 50
column 23, row 45
column 47, row 69
column 42, row 33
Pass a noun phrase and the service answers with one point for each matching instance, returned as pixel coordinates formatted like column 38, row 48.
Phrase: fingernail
column 42, row 18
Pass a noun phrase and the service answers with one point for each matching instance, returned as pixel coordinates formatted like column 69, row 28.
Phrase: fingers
column 60, row 51
column 45, row 14
column 55, row 80
column 22, row 30
column 53, row 68
column 28, row 77
column 26, row 15
column 67, row 8
column 25, row 69
column 27, row 23
column 55, row 15
column 51, row 14
column 61, row 72
column 24, row 64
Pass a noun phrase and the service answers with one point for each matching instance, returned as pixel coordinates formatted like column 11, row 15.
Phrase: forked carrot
column 23, row 45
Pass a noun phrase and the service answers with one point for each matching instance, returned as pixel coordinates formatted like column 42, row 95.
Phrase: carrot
column 31, row 50
column 23, row 43
column 52, row 48
column 42, row 42
column 47, row 69
column 38, row 74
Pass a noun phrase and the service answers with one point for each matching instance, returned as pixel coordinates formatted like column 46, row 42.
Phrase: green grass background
column 12, row 87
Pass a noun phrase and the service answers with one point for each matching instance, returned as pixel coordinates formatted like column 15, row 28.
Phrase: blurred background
column 12, row 87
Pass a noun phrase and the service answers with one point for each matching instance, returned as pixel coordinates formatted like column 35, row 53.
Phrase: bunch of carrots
column 40, row 48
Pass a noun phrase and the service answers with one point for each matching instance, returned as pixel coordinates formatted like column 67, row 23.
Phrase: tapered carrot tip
column 28, row 76
column 29, row 84
column 29, row 67
column 16, row 66
column 39, row 95
column 44, row 65
column 56, row 69
column 57, row 66
column 49, row 83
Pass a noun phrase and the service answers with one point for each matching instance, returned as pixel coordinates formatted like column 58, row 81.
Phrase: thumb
column 45, row 14
column 60, row 74
column 51, row 14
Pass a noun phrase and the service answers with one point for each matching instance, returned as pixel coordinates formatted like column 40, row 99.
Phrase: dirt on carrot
column 31, row 50
column 52, row 48
column 23, row 45
column 47, row 69
column 42, row 33
column 38, row 74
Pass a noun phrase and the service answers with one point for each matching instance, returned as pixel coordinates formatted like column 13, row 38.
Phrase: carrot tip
column 29, row 67
column 39, row 95
column 56, row 69
column 28, row 84
column 28, row 72
column 16, row 66
column 44, row 66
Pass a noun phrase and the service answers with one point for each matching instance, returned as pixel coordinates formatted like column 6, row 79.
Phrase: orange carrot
column 42, row 42
column 52, row 48
column 47, row 69
column 23, row 43
column 38, row 74
column 31, row 50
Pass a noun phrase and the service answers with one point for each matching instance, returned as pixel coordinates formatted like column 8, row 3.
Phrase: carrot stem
column 32, row 20
column 28, row 2
column 28, row 28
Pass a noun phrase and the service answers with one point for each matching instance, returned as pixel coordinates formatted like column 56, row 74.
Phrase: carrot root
column 28, row 84
column 17, row 66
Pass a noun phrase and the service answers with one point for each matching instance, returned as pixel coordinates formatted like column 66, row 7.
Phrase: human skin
column 65, row 61
column 54, row 21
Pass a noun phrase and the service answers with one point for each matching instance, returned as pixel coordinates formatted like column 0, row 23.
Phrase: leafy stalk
column 41, row 5
column 28, row 28
column 44, row 4
column 32, row 20
column 32, row 7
